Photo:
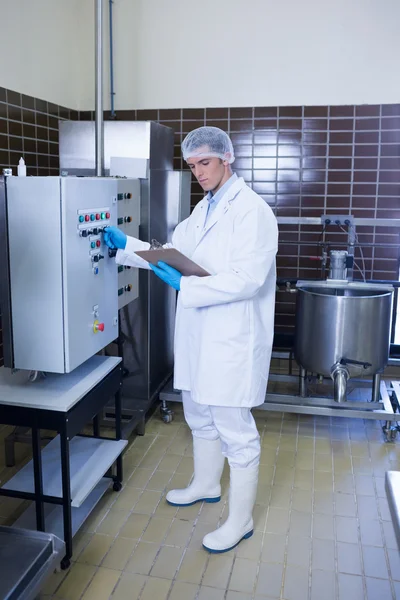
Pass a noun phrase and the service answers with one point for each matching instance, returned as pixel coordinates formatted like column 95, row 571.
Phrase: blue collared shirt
column 214, row 199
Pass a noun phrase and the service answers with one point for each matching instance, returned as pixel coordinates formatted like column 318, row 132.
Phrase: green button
column 92, row 217
column 120, row 220
column 120, row 291
column 103, row 215
column 93, row 245
column 81, row 219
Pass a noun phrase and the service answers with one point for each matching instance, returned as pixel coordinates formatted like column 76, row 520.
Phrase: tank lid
column 360, row 285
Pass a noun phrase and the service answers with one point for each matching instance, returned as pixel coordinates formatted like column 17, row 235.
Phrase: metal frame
column 377, row 409
column 67, row 425
column 357, row 221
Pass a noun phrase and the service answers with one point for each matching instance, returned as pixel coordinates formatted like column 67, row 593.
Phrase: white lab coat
column 224, row 323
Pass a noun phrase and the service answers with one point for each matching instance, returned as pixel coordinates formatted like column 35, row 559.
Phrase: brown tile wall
column 29, row 128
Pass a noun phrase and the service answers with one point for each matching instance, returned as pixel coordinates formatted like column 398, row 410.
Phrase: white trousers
column 235, row 427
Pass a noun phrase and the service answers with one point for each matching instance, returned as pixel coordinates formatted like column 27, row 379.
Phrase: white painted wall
column 40, row 49
column 177, row 53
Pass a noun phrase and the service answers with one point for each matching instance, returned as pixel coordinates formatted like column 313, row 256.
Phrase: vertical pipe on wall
column 99, row 125
column 112, row 93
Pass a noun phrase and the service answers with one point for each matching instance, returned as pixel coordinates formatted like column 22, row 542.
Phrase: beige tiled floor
column 322, row 524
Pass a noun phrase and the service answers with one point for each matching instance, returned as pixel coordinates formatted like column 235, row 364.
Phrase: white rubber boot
column 206, row 483
column 239, row 524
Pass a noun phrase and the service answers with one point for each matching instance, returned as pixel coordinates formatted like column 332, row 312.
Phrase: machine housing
column 62, row 297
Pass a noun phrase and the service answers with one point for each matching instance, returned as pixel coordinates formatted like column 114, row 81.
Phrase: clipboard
column 175, row 259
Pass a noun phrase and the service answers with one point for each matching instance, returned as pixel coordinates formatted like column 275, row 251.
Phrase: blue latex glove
column 114, row 238
column 168, row 274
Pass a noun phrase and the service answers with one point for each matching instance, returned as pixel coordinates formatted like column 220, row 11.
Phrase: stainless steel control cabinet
column 63, row 285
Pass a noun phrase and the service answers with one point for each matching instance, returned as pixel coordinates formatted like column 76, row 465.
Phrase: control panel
column 128, row 209
column 63, row 283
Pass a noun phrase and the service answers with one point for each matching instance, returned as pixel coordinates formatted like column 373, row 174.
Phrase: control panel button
column 129, row 196
column 81, row 219
column 103, row 215
column 98, row 243
column 87, row 218
column 108, row 215
column 93, row 245
column 120, row 220
column 120, row 291
column 97, row 217
column 120, row 268
column 92, row 217
column 128, row 287
column 96, row 270
column 120, row 196
column 98, row 326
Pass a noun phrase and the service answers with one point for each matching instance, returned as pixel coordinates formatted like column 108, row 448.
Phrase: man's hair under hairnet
column 208, row 142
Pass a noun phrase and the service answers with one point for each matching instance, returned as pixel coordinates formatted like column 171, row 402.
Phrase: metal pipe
column 303, row 388
column 333, row 243
column 112, row 93
column 99, row 125
column 351, row 240
column 340, row 375
column 394, row 362
column 376, row 387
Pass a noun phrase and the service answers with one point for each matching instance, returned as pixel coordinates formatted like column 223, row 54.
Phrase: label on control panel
column 88, row 211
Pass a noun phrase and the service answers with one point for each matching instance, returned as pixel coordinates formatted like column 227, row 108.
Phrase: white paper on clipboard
column 175, row 259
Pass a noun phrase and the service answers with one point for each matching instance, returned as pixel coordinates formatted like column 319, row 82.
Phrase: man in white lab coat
column 224, row 328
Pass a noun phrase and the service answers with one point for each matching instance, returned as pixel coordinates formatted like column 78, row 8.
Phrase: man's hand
column 168, row 274
column 114, row 238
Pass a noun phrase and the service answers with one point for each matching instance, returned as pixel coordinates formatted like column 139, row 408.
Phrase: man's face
column 209, row 172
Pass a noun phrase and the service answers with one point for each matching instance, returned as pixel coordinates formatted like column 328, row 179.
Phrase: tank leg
column 389, row 431
column 376, row 387
column 303, row 385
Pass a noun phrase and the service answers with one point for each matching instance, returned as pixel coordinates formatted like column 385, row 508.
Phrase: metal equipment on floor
column 343, row 330
column 142, row 150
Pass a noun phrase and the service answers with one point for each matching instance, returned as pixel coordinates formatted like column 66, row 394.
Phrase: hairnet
column 207, row 142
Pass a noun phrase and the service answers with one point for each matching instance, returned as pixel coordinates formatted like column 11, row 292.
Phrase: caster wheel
column 117, row 486
column 390, row 434
column 166, row 415
column 65, row 564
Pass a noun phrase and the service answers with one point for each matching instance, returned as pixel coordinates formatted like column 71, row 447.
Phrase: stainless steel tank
column 343, row 326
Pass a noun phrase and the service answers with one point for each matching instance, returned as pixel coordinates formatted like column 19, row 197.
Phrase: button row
column 94, row 217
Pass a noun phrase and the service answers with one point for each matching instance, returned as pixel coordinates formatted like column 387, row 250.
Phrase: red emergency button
column 97, row 217
column 108, row 215
column 99, row 326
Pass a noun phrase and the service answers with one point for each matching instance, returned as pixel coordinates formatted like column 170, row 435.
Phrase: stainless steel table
column 27, row 558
